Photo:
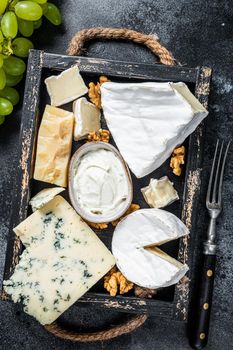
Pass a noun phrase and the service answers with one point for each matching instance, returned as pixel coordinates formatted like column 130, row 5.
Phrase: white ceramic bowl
column 92, row 146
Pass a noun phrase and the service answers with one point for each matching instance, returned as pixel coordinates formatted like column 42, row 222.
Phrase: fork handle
column 200, row 329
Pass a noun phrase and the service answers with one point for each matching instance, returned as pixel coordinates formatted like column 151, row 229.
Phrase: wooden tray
column 171, row 302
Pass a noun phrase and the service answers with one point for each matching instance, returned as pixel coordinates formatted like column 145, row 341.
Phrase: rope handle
column 111, row 333
column 76, row 46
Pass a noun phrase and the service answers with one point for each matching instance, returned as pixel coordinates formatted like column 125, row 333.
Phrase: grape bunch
column 18, row 20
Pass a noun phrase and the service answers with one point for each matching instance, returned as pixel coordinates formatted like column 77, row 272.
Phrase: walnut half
column 97, row 226
column 94, row 91
column 142, row 292
column 177, row 159
column 101, row 135
column 114, row 281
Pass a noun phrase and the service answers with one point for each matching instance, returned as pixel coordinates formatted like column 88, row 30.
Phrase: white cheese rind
column 87, row 118
column 54, row 146
column 44, row 196
column 131, row 239
column 148, row 120
column 159, row 193
column 65, row 87
column 63, row 260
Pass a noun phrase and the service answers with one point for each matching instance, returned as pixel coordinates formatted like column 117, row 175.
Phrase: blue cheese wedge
column 65, row 87
column 63, row 259
column 136, row 246
column 160, row 193
column 148, row 120
column 44, row 196
column 87, row 118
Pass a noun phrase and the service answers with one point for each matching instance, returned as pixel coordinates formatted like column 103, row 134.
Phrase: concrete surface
column 198, row 33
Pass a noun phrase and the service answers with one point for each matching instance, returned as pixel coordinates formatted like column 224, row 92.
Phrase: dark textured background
column 198, row 33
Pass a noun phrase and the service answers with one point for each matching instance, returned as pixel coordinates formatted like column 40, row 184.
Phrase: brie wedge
column 63, row 259
column 87, row 118
column 148, row 120
column 160, row 193
column 65, row 87
column 44, row 196
column 135, row 247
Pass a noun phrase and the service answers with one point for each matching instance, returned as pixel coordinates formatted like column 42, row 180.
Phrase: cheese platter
column 124, row 150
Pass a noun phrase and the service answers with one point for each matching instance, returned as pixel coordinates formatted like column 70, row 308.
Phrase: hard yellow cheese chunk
column 64, row 258
column 54, row 146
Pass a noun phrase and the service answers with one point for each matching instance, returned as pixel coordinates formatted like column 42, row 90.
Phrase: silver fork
column 201, row 319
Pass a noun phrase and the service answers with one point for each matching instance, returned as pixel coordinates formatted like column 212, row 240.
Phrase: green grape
column 9, row 25
column 26, row 28
column 2, row 79
column 10, row 94
column 12, row 4
column 2, row 119
column 44, row 8
column 53, row 14
column 21, row 47
column 3, row 5
column 37, row 24
column 1, row 36
column 14, row 66
column 13, row 80
column 6, row 107
column 41, row 2
column 28, row 10
column 1, row 60
column 0, row 53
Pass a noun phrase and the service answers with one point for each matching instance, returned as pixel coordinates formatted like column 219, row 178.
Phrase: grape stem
column 11, row 5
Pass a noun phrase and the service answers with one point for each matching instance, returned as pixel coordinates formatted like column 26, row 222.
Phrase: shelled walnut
column 114, row 281
column 98, row 226
column 142, row 292
column 133, row 207
column 94, row 91
column 177, row 159
column 101, row 135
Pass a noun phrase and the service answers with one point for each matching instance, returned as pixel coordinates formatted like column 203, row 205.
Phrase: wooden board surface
column 170, row 302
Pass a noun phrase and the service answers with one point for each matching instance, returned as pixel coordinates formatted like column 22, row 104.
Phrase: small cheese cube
column 87, row 118
column 65, row 87
column 160, row 193
column 54, row 146
column 44, row 196
column 64, row 258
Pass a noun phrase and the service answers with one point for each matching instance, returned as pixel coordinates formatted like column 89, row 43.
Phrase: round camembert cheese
column 135, row 246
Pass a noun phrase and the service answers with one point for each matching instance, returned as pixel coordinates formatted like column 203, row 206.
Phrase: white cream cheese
column 100, row 182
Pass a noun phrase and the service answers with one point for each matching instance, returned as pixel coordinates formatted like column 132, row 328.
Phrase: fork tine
column 212, row 173
column 216, row 175
column 221, row 174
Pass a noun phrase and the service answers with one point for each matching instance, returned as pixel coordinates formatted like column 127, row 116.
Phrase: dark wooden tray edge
column 39, row 59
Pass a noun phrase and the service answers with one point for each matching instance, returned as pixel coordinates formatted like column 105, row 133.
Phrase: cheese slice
column 44, row 196
column 54, row 146
column 87, row 118
column 65, row 87
column 160, row 193
column 135, row 247
column 64, row 258
column 148, row 120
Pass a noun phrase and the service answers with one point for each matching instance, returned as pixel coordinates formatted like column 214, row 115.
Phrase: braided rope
column 127, row 327
column 76, row 46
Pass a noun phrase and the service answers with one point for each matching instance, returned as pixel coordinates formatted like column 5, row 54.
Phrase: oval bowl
column 92, row 146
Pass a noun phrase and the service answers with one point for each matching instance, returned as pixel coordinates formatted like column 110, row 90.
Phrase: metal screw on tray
column 200, row 330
